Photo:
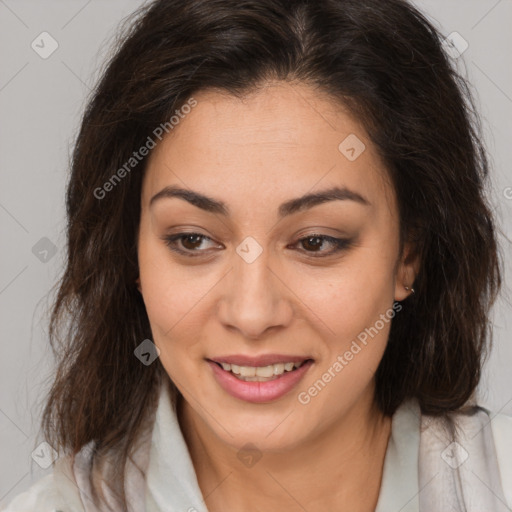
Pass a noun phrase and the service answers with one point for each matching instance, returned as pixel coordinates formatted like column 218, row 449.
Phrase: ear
column 407, row 270
column 137, row 281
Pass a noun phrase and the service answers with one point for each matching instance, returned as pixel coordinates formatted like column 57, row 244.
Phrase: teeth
column 279, row 368
column 247, row 371
column 265, row 371
column 260, row 373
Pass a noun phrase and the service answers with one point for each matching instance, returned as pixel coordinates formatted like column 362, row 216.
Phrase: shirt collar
column 399, row 488
column 171, row 482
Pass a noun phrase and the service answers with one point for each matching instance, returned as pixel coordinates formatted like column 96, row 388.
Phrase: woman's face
column 268, row 272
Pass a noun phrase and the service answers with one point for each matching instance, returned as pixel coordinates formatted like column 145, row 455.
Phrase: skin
column 253, row 154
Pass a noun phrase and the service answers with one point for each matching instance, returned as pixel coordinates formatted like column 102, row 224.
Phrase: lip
column 263, row 360
column 258, row 392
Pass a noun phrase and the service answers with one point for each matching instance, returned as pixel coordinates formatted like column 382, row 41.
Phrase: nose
column 255, row 298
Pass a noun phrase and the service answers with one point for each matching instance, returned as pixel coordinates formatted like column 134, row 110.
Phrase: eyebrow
column 287, row 208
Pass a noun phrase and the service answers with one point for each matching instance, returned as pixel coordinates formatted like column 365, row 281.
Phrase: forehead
column 281, row 141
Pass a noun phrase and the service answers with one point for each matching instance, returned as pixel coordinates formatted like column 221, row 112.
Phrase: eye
column 189, row 242
column 313, row 244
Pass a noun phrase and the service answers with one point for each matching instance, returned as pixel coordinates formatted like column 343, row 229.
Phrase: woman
column 281, row 264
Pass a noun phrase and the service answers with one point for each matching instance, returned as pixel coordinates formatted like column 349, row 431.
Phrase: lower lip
column 259, row 392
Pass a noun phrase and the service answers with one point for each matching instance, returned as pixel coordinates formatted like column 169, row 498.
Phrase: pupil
column 188, row 238
column 318, row 239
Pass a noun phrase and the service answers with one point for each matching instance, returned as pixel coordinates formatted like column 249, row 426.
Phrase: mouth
column 261, row 373
column 259, row 380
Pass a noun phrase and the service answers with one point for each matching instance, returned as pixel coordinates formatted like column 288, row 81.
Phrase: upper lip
column 262, row 360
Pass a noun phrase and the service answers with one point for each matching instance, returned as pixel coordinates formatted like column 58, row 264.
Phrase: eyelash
column 340, row 244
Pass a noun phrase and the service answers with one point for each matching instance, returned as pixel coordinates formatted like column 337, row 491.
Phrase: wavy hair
column 383, row 60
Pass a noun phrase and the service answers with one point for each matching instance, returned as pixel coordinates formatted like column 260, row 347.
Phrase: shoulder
column 478, row 444
column 40, row 496
column 54, row 492
column 501, row 425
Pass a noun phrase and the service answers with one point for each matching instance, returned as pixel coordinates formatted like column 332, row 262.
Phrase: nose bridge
column 252, row 280
column 255, row 299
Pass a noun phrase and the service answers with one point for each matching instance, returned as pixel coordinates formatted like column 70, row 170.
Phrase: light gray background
column 41, row 101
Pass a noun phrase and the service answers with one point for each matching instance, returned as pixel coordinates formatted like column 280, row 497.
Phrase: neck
column 339, row 468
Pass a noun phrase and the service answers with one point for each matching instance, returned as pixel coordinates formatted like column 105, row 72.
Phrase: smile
column 260, row 373
column 259, row 384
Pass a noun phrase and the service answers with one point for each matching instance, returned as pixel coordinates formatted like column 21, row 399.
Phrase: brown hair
column 383, row 60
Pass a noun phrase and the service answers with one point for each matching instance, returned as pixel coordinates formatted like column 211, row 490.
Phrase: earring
column 412, row 289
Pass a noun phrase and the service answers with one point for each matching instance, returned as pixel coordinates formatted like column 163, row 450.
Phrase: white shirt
column 171, row 483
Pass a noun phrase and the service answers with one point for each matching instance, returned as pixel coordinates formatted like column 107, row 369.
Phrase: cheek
column 170, row 314
column 353, row 306
column 352, row 297
column 166, row 296
column 353, row 346
column 169, row 290
column 175, row 297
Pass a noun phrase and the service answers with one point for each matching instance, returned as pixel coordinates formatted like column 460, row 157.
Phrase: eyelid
column 171, row 239
column 340, row 244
